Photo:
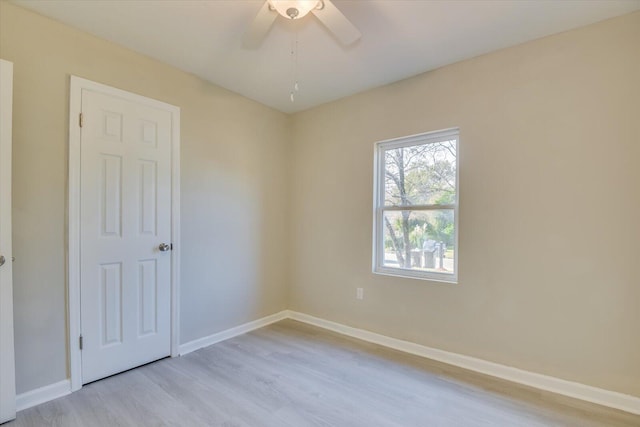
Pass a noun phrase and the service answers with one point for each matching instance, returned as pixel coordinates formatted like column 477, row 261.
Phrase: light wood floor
column 291, row 374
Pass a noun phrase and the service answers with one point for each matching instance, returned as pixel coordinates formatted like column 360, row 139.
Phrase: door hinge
column 80, row 120
column 80, row 342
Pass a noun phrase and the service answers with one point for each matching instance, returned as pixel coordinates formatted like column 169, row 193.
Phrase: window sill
column 419, row 275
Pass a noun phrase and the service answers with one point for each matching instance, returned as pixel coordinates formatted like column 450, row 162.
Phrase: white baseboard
column 230, row 333
column 42, row 394
column 584, row 392
column 62, row 388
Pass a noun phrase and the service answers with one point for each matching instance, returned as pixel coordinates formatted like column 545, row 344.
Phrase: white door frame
column 7, row 358
column 77, row 84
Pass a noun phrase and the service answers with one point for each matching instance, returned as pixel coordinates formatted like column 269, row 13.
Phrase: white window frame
column 379, row 208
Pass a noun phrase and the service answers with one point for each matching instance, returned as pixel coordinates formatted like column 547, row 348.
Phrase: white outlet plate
column 359, row 293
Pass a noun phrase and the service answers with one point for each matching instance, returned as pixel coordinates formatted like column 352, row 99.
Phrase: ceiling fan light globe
column 303, row 7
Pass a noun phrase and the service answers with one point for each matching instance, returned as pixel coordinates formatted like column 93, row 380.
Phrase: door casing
column 7, row 357
column 77, row 84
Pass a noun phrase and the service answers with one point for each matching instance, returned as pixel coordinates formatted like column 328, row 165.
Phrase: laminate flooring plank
column 291, row 374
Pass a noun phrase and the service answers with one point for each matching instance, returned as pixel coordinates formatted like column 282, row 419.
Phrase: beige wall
column 234, row 157
column 549, row 207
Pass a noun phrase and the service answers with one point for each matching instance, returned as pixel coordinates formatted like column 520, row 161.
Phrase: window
column 416, row 206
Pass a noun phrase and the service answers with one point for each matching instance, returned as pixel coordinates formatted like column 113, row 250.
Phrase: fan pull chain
column 294, row 66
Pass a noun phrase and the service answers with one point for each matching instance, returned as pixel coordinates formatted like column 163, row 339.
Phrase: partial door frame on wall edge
column 7, row 358
column 77, row 84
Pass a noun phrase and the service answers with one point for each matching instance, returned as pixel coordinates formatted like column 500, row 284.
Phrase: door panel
column 147, row 288
column 125, row 213
column 147, row 214
column 111, row 303
column 111, row 195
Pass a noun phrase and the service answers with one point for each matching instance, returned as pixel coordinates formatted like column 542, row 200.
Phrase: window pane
column 420, row 174
column 419, row 240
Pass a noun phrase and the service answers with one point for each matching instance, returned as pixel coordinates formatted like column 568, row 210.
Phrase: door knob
column 2, row 260
column 164, row 247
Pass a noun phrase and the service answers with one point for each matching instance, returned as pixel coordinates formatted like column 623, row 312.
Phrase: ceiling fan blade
column 259, row 27
column 336, row 22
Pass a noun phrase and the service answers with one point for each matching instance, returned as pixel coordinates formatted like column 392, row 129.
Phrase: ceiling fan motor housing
column 324, row 10
column 294, row 9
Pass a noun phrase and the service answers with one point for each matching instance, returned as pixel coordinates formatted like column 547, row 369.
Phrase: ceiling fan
column 324, row 10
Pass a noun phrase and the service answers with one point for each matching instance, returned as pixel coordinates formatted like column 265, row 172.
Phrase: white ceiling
column 399, row 38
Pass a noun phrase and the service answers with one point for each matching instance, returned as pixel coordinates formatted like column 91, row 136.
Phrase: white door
column 7, row 366
column 125, row 232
